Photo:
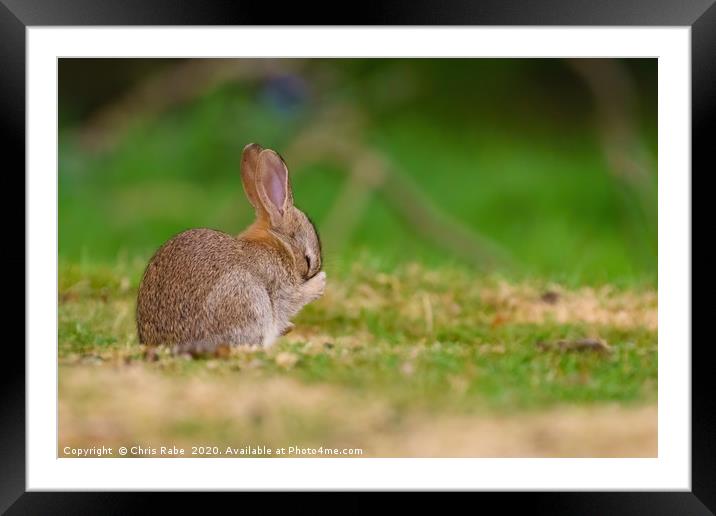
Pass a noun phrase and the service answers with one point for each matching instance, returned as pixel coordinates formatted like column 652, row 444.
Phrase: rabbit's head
column 268, row 188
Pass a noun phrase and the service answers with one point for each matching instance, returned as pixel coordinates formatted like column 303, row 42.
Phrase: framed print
column 438, row 249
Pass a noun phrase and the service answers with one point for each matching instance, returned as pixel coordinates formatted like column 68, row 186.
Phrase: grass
column 379, row 356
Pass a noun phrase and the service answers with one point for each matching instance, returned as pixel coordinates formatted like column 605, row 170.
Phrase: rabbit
column 204, row 290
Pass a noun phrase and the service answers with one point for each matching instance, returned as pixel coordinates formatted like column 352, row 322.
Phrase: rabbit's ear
column 249, row 166
column 273, row 186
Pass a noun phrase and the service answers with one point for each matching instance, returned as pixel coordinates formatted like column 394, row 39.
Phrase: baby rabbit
column 204, row 289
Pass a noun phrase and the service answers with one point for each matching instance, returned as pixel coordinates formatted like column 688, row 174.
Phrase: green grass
column 380, row 356
column 371, row 334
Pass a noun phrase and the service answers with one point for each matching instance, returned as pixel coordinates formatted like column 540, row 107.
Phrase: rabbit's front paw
column 315, row 286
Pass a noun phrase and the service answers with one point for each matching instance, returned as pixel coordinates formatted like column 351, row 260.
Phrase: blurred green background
column 527, row 167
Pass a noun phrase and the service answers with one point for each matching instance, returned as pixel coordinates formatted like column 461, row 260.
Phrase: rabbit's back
column 200, row 290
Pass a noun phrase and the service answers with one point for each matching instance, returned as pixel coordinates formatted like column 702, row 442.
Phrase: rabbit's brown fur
column 204, row 288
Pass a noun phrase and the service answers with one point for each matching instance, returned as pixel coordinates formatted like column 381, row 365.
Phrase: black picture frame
column 17, row 15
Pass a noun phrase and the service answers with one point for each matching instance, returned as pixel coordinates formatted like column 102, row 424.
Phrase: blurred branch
column 176, row 85
column 370, row 171
column 627, row 157
column 336, row 133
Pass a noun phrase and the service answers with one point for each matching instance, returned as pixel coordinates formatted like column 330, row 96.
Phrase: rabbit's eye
column 308, row 262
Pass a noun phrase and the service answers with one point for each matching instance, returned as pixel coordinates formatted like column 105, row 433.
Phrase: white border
column 670, row 471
